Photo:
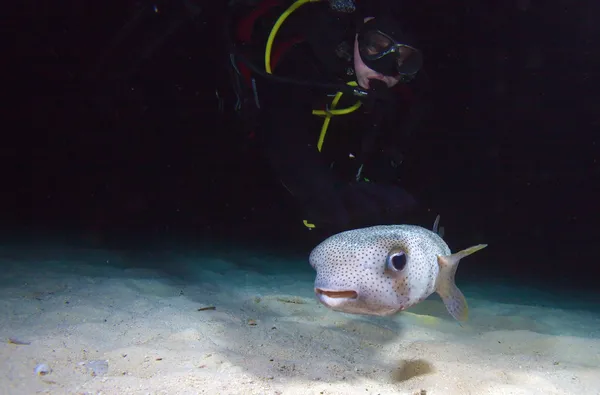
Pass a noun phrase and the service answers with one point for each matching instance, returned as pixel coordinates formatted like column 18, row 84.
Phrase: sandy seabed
column 89, row 326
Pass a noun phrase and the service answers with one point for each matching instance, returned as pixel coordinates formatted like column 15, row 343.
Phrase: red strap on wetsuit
column 244, row 35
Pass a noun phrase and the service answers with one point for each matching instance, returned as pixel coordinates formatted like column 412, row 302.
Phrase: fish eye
column 397, row 261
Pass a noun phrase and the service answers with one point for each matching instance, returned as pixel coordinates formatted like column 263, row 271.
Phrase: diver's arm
column 402, row 126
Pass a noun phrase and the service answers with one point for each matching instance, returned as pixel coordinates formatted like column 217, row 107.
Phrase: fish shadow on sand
column 409, row 369
column 272, row 335
column 296, row 337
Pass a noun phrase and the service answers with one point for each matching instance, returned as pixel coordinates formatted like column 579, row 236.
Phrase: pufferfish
column 385, row 269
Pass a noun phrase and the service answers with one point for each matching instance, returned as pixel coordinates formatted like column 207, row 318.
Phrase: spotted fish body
column 382, row 270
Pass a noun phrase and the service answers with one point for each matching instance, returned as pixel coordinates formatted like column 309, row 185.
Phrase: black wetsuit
column 324, row 183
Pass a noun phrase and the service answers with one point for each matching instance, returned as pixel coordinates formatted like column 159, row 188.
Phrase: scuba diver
column 337, row 97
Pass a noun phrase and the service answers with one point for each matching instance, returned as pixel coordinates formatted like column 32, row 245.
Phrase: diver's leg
column 287, row 143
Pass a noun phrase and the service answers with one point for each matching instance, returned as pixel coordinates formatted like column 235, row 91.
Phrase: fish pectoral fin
column 455, row 303
column 453, row 298
column 457, row 256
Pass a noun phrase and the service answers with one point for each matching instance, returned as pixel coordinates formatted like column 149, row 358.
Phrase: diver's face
column 365, row 74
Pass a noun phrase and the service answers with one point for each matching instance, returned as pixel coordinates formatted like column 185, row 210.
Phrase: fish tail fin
column 453, row 298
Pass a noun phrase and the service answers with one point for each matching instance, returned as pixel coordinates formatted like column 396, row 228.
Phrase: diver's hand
column 394, row 155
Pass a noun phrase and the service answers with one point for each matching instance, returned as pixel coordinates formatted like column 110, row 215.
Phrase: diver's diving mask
column 381, row 52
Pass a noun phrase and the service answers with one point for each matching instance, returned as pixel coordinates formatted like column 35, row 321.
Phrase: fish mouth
column 337, row 294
